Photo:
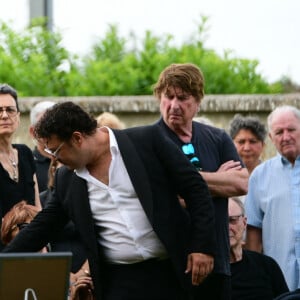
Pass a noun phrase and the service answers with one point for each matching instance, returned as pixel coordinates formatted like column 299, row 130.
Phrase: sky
column 266, row 30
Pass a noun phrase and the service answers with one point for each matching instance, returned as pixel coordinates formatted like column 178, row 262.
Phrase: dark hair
column 62, row 120
column 251, row 123
column 186, row 76
column 7, row 89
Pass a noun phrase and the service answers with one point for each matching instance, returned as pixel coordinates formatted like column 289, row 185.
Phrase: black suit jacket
column 159, row 171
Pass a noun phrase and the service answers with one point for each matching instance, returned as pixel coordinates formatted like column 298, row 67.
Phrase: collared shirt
column 124, row 231
column 273, row 204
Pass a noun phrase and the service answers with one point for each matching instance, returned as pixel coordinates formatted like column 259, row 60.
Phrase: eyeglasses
column 11, row 111
column 55, row 152
column 233, row 220
column 189, row 151
column 22, row 225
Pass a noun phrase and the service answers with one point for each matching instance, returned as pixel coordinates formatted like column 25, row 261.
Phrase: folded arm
column 230, row 180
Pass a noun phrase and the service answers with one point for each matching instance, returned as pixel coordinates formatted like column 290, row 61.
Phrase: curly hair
column 251, row 123
column 62, row 119
column 187, row 77
column 18, row 214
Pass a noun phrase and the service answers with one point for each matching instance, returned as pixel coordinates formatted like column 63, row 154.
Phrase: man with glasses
column 179, row 90
column 254, row 276
column 120, row 189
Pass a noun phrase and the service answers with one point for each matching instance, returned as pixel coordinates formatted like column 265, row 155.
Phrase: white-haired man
column 273, row 200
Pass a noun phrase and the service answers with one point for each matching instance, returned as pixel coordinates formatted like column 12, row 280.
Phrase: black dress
column 12, row 192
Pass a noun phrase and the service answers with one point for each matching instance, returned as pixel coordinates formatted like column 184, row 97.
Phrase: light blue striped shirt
column 273, row 204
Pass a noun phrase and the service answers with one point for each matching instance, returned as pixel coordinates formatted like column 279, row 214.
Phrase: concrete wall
column 142, row 110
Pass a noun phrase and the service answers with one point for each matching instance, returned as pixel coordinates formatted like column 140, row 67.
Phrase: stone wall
column 142, row 110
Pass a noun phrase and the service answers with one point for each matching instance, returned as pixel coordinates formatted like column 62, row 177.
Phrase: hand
column 200, row 265
column 230, row 165
column 81, row 287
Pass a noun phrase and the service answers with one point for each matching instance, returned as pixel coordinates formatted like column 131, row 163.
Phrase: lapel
column 136, row 171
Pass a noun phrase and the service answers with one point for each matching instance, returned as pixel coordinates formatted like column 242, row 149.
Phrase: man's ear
column 31, row 131
column 270, row 136
column 77, row 137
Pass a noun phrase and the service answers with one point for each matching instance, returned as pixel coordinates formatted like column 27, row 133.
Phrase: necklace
column 14, row 165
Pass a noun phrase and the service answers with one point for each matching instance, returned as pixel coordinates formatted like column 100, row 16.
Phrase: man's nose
column 286, row 135
column 175, row 103
column 4, row 113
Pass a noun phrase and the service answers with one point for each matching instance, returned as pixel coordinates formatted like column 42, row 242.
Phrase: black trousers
column 149, row 280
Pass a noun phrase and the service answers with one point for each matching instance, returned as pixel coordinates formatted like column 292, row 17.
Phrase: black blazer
column 159, row 171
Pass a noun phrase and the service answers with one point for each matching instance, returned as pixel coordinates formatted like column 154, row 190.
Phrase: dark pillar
column 42, row 8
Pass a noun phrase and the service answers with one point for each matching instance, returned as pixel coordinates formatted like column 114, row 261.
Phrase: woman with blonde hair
column 110, row 120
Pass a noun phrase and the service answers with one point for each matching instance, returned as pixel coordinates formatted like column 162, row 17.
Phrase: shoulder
column 267, row 166
column 207, row 129
column 253, row 254
column 211, row 133
column 260, row 258
column 64, row 171
column 22, row 148
column 24, row 152
column 149, row 132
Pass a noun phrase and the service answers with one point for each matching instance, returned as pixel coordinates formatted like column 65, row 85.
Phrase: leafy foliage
column 35, row 62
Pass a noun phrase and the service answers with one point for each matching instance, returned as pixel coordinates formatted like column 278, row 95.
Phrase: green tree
column 31, row 60
column 35, row 62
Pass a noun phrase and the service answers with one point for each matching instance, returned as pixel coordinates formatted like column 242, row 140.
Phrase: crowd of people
column 178, row 209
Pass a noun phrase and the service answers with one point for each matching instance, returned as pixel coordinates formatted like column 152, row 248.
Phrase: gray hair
column 251, row 123
column 39, row 108
column 284, row 108
column 238, row 201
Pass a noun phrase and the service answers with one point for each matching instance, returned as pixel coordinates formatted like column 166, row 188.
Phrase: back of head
column 19, row 214
column 187, row 77
column 63, row 119
column 38, row 109
column 110, row 120
column 251, row 123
